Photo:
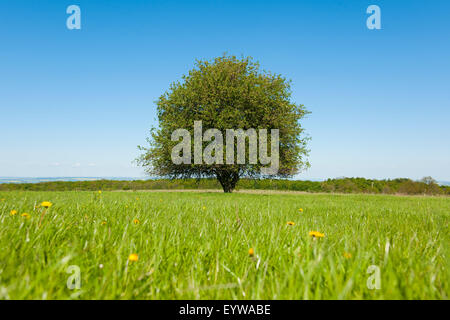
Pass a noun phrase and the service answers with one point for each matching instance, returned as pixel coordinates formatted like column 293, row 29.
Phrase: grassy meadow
column 194, row 245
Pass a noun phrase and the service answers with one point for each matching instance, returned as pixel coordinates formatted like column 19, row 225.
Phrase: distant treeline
column 342, row 185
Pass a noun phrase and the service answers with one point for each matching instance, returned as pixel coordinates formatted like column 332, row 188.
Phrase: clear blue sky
column 78, row 102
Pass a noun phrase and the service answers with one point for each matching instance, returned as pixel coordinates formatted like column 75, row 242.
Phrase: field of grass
column 196, row 246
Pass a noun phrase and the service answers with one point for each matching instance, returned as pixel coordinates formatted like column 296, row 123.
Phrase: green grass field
column 196, row 246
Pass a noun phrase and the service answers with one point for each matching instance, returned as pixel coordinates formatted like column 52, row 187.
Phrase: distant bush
column 342, row 185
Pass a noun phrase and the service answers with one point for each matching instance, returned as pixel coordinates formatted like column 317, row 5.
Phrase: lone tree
column 226, row 93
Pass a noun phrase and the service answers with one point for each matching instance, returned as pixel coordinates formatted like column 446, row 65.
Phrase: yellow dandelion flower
column 291, row 223
column 136, row 221
column 103, row 223
column 300, row 210
column 203, row 207
column 251, row 252
column 46, row 204
column 99, row 191
column 13, row 212
column 316, row 234
column 25, row 215
column 133, row 257
column 347, row 255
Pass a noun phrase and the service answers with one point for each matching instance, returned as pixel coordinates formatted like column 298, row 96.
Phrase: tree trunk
column 228, row 180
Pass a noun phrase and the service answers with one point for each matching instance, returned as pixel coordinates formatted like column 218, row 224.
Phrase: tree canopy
column 227, row 93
